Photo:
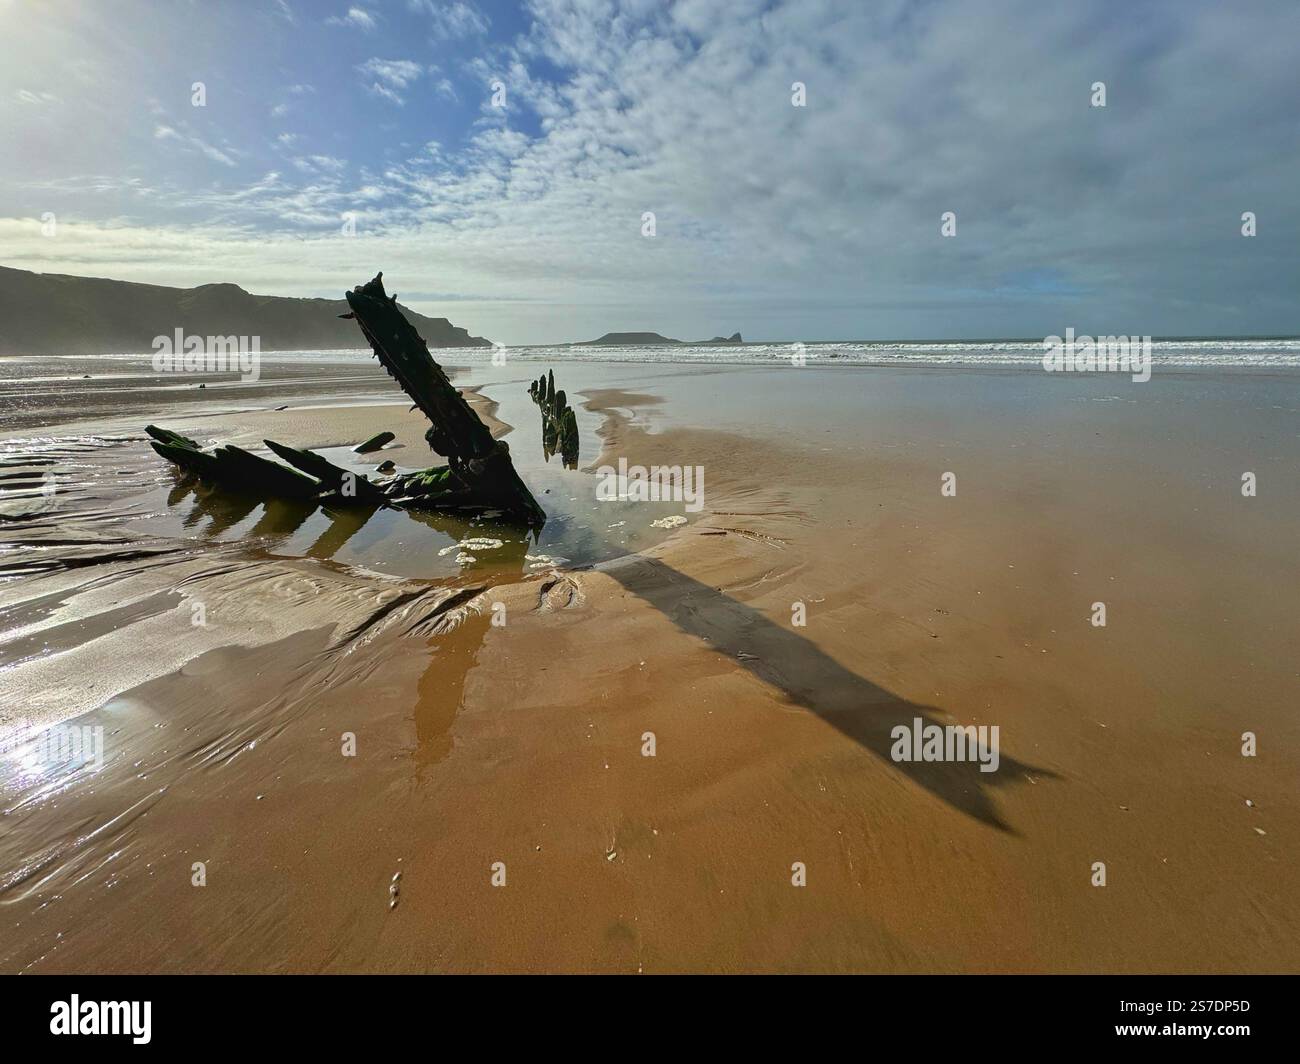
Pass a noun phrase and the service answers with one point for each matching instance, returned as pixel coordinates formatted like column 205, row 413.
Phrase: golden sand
column 516, row 752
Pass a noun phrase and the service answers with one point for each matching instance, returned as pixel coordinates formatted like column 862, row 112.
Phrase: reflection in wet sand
column 442, row 687
column 280, row 519
column 345, row 522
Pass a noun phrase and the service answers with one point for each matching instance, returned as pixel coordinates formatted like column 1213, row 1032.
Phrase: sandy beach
column 517, row 749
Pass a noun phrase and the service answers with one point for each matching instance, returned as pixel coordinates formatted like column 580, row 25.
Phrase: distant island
column 632, row 339
column 58, row 314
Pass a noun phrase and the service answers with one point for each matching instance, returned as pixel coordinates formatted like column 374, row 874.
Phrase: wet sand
column 523, row 743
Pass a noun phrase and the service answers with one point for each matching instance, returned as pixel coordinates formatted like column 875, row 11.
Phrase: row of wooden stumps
column 559, row 422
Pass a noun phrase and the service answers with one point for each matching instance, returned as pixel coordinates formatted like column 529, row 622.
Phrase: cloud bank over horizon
column 497, row 160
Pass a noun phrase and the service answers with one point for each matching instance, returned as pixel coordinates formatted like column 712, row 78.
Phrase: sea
column 1185, row 352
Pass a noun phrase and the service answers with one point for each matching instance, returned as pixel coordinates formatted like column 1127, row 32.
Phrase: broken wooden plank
column 378, row 440
column 343, row 482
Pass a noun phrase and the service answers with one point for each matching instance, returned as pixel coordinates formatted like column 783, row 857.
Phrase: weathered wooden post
column 481, row 463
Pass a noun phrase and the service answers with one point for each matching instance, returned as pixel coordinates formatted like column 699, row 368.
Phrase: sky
column 497, row 160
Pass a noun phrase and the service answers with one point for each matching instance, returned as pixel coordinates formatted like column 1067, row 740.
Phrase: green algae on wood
column 378, row 440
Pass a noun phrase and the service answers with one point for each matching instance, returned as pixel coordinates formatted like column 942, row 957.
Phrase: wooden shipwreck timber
column 479, row 476
column 559, row 422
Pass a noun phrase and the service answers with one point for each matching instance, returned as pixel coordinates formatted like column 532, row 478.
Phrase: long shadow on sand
column 779, row 656
column 783, row 659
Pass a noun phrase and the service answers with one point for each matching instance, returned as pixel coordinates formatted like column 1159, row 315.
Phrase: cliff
column 56, row 314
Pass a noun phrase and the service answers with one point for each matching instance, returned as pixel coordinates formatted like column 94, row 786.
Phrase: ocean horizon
column 1182, row 352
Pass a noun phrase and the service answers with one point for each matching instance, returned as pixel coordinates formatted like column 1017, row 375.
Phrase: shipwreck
column 478, row 478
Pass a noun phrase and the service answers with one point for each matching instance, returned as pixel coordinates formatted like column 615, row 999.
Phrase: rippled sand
column 486, row 750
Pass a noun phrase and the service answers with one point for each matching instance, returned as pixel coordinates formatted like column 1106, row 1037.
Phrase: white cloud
column 391, row 77
column 356, row 17
column 384, row 92
column 315, row 164
column 451, row 21
column 165, row 132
